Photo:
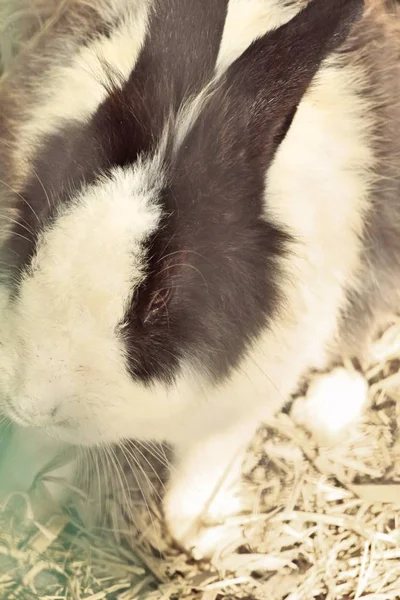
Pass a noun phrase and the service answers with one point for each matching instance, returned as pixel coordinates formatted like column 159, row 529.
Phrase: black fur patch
column 214, row 277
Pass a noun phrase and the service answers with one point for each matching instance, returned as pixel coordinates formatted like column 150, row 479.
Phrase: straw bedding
column 322, row 523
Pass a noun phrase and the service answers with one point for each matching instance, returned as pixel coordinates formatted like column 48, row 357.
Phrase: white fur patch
column 92, row 256
column 248, row 20
column 319, row 189
column 63, row 341
column 334, row 404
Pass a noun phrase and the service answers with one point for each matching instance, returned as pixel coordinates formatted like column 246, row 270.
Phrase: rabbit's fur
column 187, row 247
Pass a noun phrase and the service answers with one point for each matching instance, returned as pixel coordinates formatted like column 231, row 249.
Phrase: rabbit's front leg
column 204, row 489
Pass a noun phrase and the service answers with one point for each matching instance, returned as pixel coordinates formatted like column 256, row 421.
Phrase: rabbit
column 199, row 205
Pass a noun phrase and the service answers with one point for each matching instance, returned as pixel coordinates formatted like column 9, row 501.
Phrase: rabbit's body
column 181, row 296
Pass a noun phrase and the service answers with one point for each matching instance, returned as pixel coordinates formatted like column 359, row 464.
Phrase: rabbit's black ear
column 276, row 70
column 262, row 89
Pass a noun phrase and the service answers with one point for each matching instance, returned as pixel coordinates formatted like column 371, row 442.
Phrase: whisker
column 7, row 144
column 184, row 251
column 276, row 388
column 11, row 220
column 21, row 197
column 152, row 468
column 82, row 471
column 6, row 420
column 110, row 481
column 165, row 306
column 169, row 242
column 122, row 479
column 4, row 231
column 137, row 463
column 13, row 278
column 155, row 453
column 5, row 264
column 43, row 188
column 167, row 267
column 161, row 448
column 94, row 459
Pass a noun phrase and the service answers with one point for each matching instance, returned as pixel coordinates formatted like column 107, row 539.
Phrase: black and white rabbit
column 200, row 203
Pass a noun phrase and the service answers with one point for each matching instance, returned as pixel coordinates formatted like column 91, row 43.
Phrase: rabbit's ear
column 260, row 92
column 268, row 81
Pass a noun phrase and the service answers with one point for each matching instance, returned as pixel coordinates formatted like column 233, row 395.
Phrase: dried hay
column 324, row 523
